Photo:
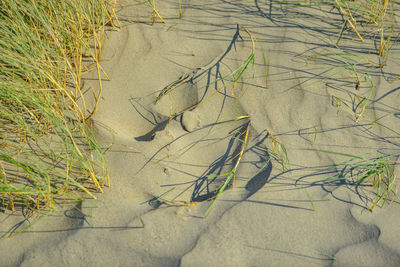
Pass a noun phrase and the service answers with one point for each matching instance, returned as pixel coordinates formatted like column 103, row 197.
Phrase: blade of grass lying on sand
column 266, row 69
column 231, row 175
column 365, row 101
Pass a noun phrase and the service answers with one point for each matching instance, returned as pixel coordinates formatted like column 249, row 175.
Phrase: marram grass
column 47, row 149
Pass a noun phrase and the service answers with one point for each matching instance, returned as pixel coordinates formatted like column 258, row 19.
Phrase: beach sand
column 172, row 148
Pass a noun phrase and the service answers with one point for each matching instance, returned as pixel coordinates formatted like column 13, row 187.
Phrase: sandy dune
column 178, row 127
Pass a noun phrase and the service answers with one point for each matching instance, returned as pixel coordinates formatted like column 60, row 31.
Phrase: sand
column 170, row 153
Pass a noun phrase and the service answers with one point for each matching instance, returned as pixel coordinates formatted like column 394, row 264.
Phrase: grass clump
column 379, row 15
column 376, row 171
column 47, row 148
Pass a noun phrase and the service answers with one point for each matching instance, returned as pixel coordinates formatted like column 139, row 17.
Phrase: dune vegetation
column 48, row 151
